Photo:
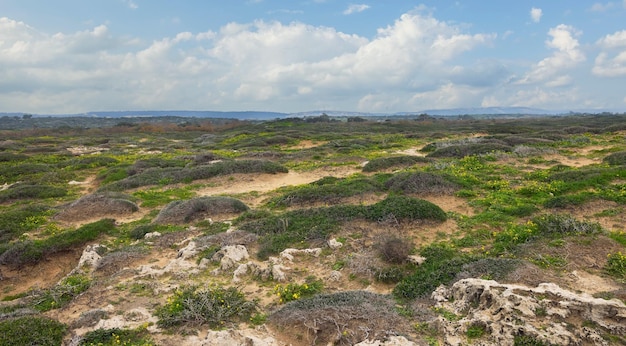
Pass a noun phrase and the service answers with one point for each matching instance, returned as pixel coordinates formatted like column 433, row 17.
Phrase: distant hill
column 487, row 111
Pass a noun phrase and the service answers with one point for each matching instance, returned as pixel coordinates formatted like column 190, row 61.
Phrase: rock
column 89, row 260
column 188, row 251
column 289, row 254
column 152, row 235
column 335, row 275
column 547, row 313
column 334, row 244
column 244, row 269
column 416, row 259
column 231, row 337
column 230, row 255
column 391, row 341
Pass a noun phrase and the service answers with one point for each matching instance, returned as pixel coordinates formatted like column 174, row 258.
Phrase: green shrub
column 213, row 306
column 555, row 225
column 100, row 204
column 87, row 162
column 488, row 268
column 173, row 175
column 291, row 292
column 441, row 267
column 391, row 275
column 117, row 336
column 407, row 208
column 197, row 208
column 33, row 251
column 525, row 340
column 476, row 330
column 616, row 265
column 460, row 151
column 421, row 182
column 565, row 201
column 61, row 294
column 154, row 197
column 25, row 191
column 31, row 330
column 12, row 173
column 12, row 157
column 14, row 222
column 616, row 159
column 325, row 191
column 383, row 163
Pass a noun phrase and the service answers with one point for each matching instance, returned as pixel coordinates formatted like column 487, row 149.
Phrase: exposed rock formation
column 547, row 313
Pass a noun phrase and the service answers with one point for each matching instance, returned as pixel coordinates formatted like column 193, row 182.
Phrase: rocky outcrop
column 546, row 313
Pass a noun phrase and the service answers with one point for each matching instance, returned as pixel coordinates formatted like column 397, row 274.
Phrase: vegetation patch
column 59, row 295
column 441, row 267
column 616, row 159
column 216, row 307
column 103, row 204
column 15, row 222
column 31, row 330
column 293, row 291
column 171, row 175
column 329, row 191
column 279, row 231
column 32, row 251
column 343, row 318
column 460, row 151
column 117, row 336
column 28, row 191
column 383, row 163
column 421, row 182
column 178, row 212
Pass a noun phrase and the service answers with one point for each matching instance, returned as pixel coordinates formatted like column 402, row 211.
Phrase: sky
column 74, row 56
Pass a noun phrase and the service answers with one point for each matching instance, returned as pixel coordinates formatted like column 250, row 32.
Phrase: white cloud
column 355, row 8
column 536, row 14
column 600, row 7
column 258, row 65
column 616, row 40
column 131, row 4
column 611, row 61
column 566, row 56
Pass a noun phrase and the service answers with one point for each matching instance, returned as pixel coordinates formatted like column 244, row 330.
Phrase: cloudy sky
column 71, row 56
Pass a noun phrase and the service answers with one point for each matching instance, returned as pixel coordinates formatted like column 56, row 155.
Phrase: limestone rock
column 289, row 254
column 547, row 312
column 391, row 341
column 230, row 255
column 231, row 337
column 334, row 244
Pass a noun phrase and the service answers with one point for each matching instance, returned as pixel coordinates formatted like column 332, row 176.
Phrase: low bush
column 344, row 318
column 154, row 162
column 27, row 191
column 171, row 175
column 31, row 330
column 557, row 225
column 442, row 265
column 488, row 268
column 12, row 173
column 460, row 151
column 293, row 291
column 117, row 336
column 616, row 265
column 12, row 157
column 406, row 208
column 178, row 212
column 32, row 251
column 325, row 192
column 379, row 164
column 61, row 294
column 213, row 306
column 89, row 162
column 14, row 222
column 101, row 204
column 421, row 182
column 616, row 159
column 157, row 197
column 279, row 231
column 395, row 250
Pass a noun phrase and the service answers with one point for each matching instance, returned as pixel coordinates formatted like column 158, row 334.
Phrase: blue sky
column 72, row 56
